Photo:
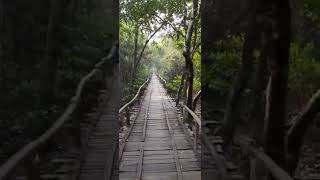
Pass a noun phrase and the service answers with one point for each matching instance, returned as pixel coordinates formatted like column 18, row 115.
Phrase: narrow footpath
column 157, row 148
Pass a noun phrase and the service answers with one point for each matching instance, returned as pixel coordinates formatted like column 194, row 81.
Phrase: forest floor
column 309, row 162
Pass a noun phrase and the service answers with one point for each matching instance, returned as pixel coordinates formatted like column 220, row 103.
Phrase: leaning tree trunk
column 188, row 54
column 135, row 58
column 295, row 135
column 50, row 63
column 277, row 95
column 232, row 114
column 190, row 84
column 260, row 78
column 195, row 100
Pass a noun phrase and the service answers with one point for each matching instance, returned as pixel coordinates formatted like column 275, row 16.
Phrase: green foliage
column 174, row 84
column 166, row 55
column 227, row 58
column 126, row 60
column 304, row 72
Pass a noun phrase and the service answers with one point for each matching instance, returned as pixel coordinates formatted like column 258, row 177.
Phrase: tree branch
column 146, row 43
column 295, row 134
column 173, row 27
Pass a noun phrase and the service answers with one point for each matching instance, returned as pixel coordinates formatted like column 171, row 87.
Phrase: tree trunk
column 135, row 58
column 232, row 114
column 257, row 102
column 278, row 65
column 138, row 59
column 188, row 56
column 260, row 80
column 190, row 84
column 195, row 100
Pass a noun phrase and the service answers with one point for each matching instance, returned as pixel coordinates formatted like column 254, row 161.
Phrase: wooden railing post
column 127, row 108
column 257, row 169
column 33, row 167
column 128, row 116
column 184, row 115
column 195, row 146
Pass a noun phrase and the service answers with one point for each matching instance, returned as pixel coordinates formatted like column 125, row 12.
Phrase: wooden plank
column 178, row 167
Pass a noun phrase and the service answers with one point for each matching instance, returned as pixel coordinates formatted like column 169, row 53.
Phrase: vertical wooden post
column 33, row 168
column 253, row 174
column 258, row 170
column 128, row 116
column 183, row 114
column 196, row 131
column 77, row 134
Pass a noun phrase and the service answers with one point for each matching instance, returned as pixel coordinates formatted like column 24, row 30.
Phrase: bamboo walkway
column 156, row 147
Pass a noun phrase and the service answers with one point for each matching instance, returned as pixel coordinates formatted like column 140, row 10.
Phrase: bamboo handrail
column 195, row 117
column 195, row 99
column 15, row 159
column 219, row 159
column 274, row 169
column 165, row 82
column 247, row 147
column 134, row 98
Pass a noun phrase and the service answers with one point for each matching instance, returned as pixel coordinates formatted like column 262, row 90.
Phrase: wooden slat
column 140, row 163
column 174, row 147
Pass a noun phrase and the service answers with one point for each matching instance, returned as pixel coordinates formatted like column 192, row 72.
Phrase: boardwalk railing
column 196, row 125
column 124, row 111
column 256, row 153
column 163, row 81
column 196, row 120
column 247, row 148
column 27, row 157
column 126, row 108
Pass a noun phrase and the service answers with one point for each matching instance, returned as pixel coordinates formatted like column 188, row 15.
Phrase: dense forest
column 259, row 70
column 261, row 78
column 164, row 36
column 46, row 47
column 254, row 63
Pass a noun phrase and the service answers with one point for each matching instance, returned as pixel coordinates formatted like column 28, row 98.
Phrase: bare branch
column 146, row 43
column 170, row 24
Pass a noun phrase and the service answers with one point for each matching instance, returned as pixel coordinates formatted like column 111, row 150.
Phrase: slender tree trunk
column 2, row 49
column 187, row 54
column 195, row 100
column 138, row 59
column 276, row 113
column 256, row 111
column 260, row 80
column 190, row 84
column 232, row 114
column 135, row 57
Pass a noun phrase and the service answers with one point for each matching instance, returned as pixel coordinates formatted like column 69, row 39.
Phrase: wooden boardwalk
column 101, row 157
column 156, row 147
